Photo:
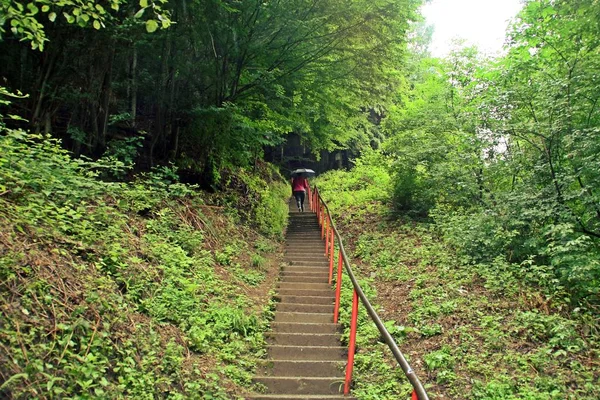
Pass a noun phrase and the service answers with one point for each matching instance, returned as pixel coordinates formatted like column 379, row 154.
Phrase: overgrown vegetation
column 502, row 153
column 127, row 290
column 470, row 330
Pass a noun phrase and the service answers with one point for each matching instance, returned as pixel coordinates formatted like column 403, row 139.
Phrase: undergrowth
column 127, row 290
column 476, row 331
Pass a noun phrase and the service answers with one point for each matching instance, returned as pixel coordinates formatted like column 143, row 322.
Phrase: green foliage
column 25, row 21
column 111, row 289
column 470, row 322
column 499, row 152
column 367, row 184
column 263, row 196
column 225, row 80
column 124, row 150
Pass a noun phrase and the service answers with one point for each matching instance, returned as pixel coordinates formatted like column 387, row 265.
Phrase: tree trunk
column 133, row 85
column 106, row 92
column 42, row 85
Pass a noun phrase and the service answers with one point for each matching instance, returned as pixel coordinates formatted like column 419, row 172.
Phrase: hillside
column 481, row 331
column 131, row 290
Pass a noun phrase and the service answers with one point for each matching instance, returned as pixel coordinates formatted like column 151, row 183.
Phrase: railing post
column 323, row 221
column 320, row 214
column 338, row 288
column 352, row 345
column 331, row 257
column 327, row 238
column 331, row 253
column 317, row 202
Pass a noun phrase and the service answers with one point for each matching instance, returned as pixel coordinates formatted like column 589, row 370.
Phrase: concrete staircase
column 306, row 359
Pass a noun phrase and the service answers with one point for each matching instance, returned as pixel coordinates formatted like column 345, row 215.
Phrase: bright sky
column 480, row 22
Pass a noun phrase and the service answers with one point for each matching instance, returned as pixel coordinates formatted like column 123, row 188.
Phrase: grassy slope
column 469, row 331
column 141, row 290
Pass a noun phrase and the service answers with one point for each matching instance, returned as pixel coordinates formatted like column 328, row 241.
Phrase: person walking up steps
column 299, row 187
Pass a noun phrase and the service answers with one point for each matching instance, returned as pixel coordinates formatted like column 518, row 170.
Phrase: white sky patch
column 479, row 22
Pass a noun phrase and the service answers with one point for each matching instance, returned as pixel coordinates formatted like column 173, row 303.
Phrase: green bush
column 360, row 189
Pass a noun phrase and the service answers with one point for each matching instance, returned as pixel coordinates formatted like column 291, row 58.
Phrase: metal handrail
column 322, row 210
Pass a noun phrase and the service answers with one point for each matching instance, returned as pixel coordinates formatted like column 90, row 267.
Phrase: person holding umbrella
column 300, row 186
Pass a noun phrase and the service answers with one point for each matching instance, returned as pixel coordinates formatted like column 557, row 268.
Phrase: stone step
column 303, row 245
column 322, row 277
column 298, row 238
column 298, row 285
column 311, row 250
column 321, row 353
column 313, row 236
column 301, row 269
column 300, row 397
column 305, row 308
column 317, row 249
column 300, row 317
column 304, row 263
column 302, row 368
column 305, row 278
column 299, row 327
column 307, row 271
column 317, row 261
column 326, row 300
column 324, row 265
column 298, row 255
column 313, row 241
column 302, row 385
column 303, row 339
column 306, row 292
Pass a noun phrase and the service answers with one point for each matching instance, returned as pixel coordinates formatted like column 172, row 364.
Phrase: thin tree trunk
column 106, row 92
column 42, row 93
column 133, row 85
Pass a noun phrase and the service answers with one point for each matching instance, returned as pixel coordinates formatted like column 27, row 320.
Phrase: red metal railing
column 329, row 233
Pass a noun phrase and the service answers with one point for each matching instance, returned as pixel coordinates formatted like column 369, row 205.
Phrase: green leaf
column 14, row 377
column 139, row 13
column 144, row 3
column 151, row 25
column 32, row 9
column 52, row 16
column 97, row 24
column 70, row 19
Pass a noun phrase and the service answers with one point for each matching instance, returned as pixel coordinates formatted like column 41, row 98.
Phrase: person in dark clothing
column 299, row 187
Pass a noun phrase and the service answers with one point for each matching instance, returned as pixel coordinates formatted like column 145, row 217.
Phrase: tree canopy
column 223, row 81
column 503, row 153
